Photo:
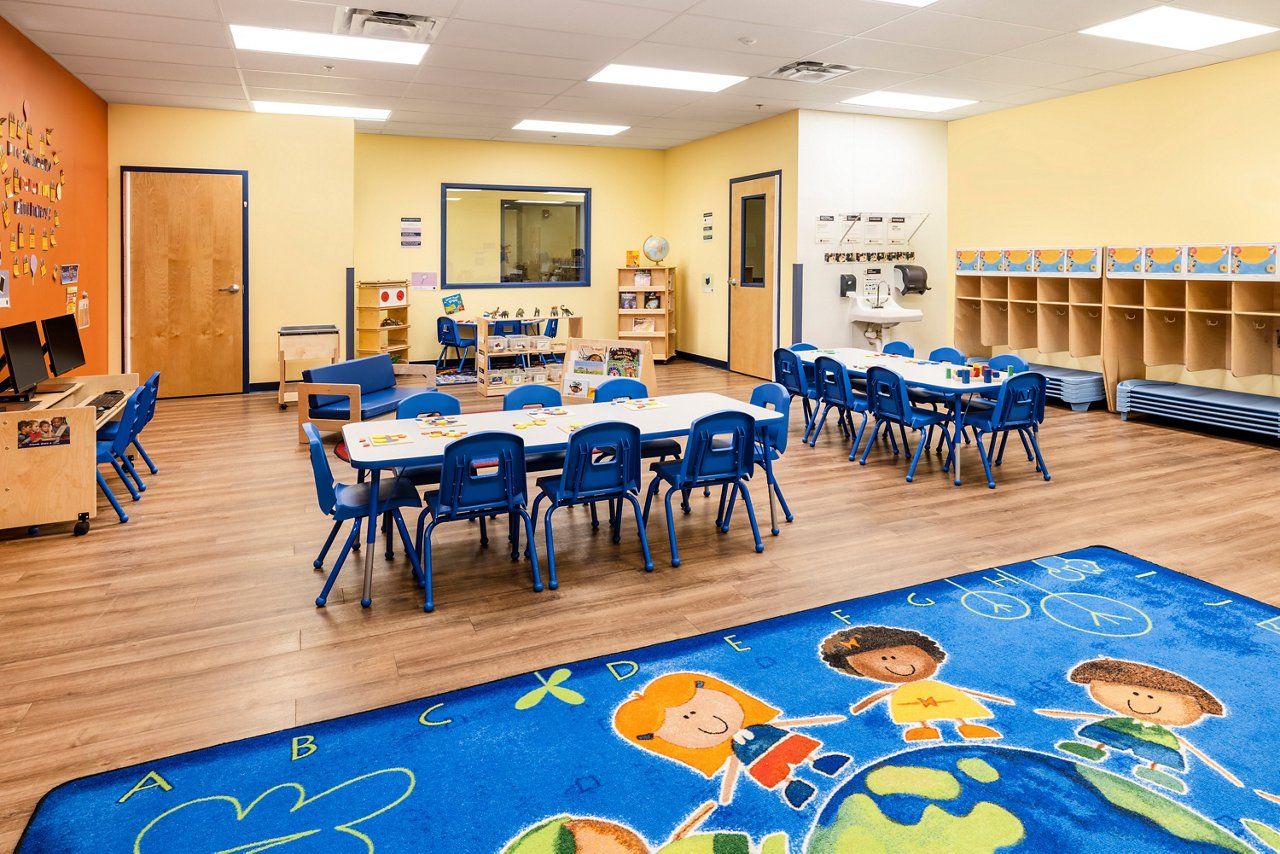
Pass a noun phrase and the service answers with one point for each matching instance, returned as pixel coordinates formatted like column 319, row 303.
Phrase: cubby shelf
column 646, row 307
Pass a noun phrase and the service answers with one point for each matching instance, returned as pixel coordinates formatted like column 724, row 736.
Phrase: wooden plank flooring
column 193, row 624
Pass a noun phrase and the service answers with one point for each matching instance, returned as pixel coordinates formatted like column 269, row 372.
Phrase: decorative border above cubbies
column 1073, row 263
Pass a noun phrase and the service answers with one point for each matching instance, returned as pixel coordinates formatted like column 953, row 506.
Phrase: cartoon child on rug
column 713, row 727
column 1149, row 701
column 908, row 659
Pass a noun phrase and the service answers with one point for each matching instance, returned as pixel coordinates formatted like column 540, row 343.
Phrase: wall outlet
column 706, row 285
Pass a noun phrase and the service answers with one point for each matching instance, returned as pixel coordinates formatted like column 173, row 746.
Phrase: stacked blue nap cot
column 1071, row 386
column 1252, row 413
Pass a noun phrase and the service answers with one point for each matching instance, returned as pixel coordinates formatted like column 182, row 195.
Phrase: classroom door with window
column 185, row 298
column 753, row 273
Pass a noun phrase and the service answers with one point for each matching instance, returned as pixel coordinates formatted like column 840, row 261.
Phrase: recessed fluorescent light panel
column 571, row 127
column 665, row 78
column 325, row 45
column 907, row 101
column 916, row 3
column 1166, row 26
column 287, row 109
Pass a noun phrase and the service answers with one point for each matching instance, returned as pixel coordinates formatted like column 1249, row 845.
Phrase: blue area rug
column 1086, row 699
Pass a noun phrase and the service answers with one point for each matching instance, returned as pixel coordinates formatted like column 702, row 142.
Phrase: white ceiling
column 495, row 62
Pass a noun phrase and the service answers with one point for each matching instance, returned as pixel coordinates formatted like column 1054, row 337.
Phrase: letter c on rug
column 422, row 718
column 614, row 665
column 152, row 781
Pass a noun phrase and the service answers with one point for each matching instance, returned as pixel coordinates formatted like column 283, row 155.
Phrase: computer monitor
column 25, row 357
column 62, row 340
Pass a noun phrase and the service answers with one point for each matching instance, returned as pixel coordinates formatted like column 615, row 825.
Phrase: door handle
column 234, row 289
column 733, row 281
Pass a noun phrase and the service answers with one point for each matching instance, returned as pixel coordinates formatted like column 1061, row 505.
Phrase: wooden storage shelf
column 1162, row 293
column 376, row 302
column 1165, row 335
column 968, row 326
column 381, row 328
column 1208, row 341
column 1022, row 290
column 995, row 287
column 1052, row 290
column 1127, row 292
column 485, row 360
column 1085, row 337
column 1023, row 326
column 1254, row 347
column 1209, row 296
column 1122, row 346
column 968, row 287
column 1256, row 297
column 1054, row 328
column 656, row 323
column 995, row 323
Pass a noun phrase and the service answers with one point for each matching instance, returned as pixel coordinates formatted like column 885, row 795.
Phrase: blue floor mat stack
column 1252, row 413
column 1071, row 386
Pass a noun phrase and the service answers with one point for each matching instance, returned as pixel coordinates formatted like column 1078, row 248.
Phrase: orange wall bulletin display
column 53, row 195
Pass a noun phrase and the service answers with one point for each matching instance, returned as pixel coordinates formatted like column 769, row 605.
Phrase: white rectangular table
column 671, row 420
column 918, row 373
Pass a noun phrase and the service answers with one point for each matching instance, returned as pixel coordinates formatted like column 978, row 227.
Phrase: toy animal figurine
column 519, row 312
column 555, row 312
column 493, row 313
column 504, row 313
column 537, row 312
column 565, row 311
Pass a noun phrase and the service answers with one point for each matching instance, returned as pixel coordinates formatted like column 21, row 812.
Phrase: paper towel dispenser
column 911, row 278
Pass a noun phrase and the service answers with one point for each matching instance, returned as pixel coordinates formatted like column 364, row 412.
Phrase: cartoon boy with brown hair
column 713, row 727
column 908, row 659
column 1149, row 701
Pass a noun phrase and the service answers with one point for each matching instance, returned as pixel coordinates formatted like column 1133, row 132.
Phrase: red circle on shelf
column 399, row 296
column 386, row 296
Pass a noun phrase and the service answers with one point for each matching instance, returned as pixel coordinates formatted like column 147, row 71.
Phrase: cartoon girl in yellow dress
column 908, row 659
column 713, row 727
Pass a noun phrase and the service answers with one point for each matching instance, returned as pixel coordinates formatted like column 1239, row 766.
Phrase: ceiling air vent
column 807, row 71
column 392, row 26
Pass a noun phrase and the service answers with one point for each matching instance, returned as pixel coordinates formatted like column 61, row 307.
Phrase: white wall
column 851, row 163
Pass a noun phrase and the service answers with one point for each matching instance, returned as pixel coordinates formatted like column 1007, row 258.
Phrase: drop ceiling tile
column 1255, row 11
column 322, row 83
column 281, row 14
column 163, row 87
column 370, row 127
column 597, row 117
column 1069, row 16
column 949, row 87
column 568, row 16
column 459, row 108
column 114, row 25
column 490, row 123
column 462, row 78
column 605, row 94
column 1003, row 69
column 351, row 69
column 873, row 78
column 718, row 34
column 710, row 112
column 63, row 44
column 433, row 92
column 847, row 17
column 1098, row 81
column 976, row 35
column 504, row 62
column 1245, row 47
column 1031, row 96
column 792, row 91
column 695, row 59
column 1174, row 64
column 1092, row 52
column 154, row 100
column 701, row 127
column 337, row 99
column 82, row 65
column 893, row 56
column 666, row 5
column 522, row 40
column 200, row 10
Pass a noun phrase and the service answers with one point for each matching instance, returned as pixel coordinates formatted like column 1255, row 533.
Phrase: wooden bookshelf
column 646, row 307
column 382, row 319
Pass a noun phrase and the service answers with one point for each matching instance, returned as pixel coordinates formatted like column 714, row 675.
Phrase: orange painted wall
column 57, row 100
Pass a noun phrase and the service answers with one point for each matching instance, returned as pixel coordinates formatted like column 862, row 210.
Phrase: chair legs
column 133, row 492
column 106, row 490
column 146, row 459
column 333, row 532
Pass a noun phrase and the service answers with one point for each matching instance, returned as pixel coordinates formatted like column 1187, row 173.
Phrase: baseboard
column 703, row 360
column 271, row 386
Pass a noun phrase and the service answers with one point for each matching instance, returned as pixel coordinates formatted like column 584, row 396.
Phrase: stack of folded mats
column 1077, row 388
column 1253, row 413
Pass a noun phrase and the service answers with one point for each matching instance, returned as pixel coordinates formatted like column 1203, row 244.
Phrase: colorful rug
column 451, row 377
column 1086, row 699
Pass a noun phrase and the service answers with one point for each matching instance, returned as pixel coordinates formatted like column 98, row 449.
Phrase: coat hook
column 1210, row 322
column 1168, row 319
column 1093, row 314
column 1128, row 316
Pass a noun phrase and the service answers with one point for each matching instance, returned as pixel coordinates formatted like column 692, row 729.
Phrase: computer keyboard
column 106, row 400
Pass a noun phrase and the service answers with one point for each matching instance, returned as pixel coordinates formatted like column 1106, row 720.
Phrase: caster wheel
column 320, row 600
column 33, row 530
column 81, row 528
column 283, row 407
column 365, row 603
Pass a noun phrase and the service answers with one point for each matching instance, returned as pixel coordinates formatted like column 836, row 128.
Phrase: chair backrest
column 320, row 470
column 948, row 354
column 706, row 460
column 428, row 403
column 899, row 348
column 801, row 346
column 620, row 388
column 774, row 396
column 887, row 394
column 552, row 328
column 833, row 383
column 446, row 331
column 788, row 372
column 589, row 472
column 154, row 384
column 482, row 471
column 1021, row 401
column 531, row 395
column 128, row 429
column 1009, row 360
column 508, row 327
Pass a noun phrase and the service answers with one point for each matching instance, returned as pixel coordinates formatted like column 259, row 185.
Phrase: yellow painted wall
column 697, row 181
column 401, row 176
column 1182, row 158
column 301, row 176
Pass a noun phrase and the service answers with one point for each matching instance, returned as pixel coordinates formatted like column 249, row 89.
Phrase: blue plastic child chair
column 531, row 396
column 590, row 476
column 146, row 411
column 771, row 443
column 113, row 452
column 835, row 391
column 626, row 388
column 343, row 502
column 1019, row 408
column 426, row 403
column 899, row 348
column 887, row 396
column 482, row 475
column 789, row 372
column 449, row 337
column 807, row 367
column 709, row 463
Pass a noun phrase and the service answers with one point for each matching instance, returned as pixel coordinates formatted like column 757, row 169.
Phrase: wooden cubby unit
column 1122, row 292
column 1023, row 326
column 382, row 319
column 1052, row 290
column 1053, row 323
column 1209, row 296
column 1256, row 298
column 1165, row 293
column 652, row 318
column 1086, row 292
column 995, row 323
column 968, row 287
column 968, row 335
column 1022, row 290
column 1165, row 336
column 1085, row 338
column 1208, row 340
column 1255, row 345
column 1122, row 346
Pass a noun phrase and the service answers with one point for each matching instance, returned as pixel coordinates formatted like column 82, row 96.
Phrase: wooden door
column 753, row 274
column 184, row 289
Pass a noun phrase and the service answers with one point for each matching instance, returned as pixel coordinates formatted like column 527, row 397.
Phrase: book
column 626, row 301
column 643, row 279
column 642, row 324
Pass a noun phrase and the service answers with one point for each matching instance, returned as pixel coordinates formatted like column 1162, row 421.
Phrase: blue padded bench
column 336, row 395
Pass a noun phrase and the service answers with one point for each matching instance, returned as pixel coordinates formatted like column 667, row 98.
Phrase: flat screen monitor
column 25, row 356
column 62, row 338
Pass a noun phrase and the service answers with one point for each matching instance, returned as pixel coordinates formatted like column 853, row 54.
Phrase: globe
column 656, row 248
